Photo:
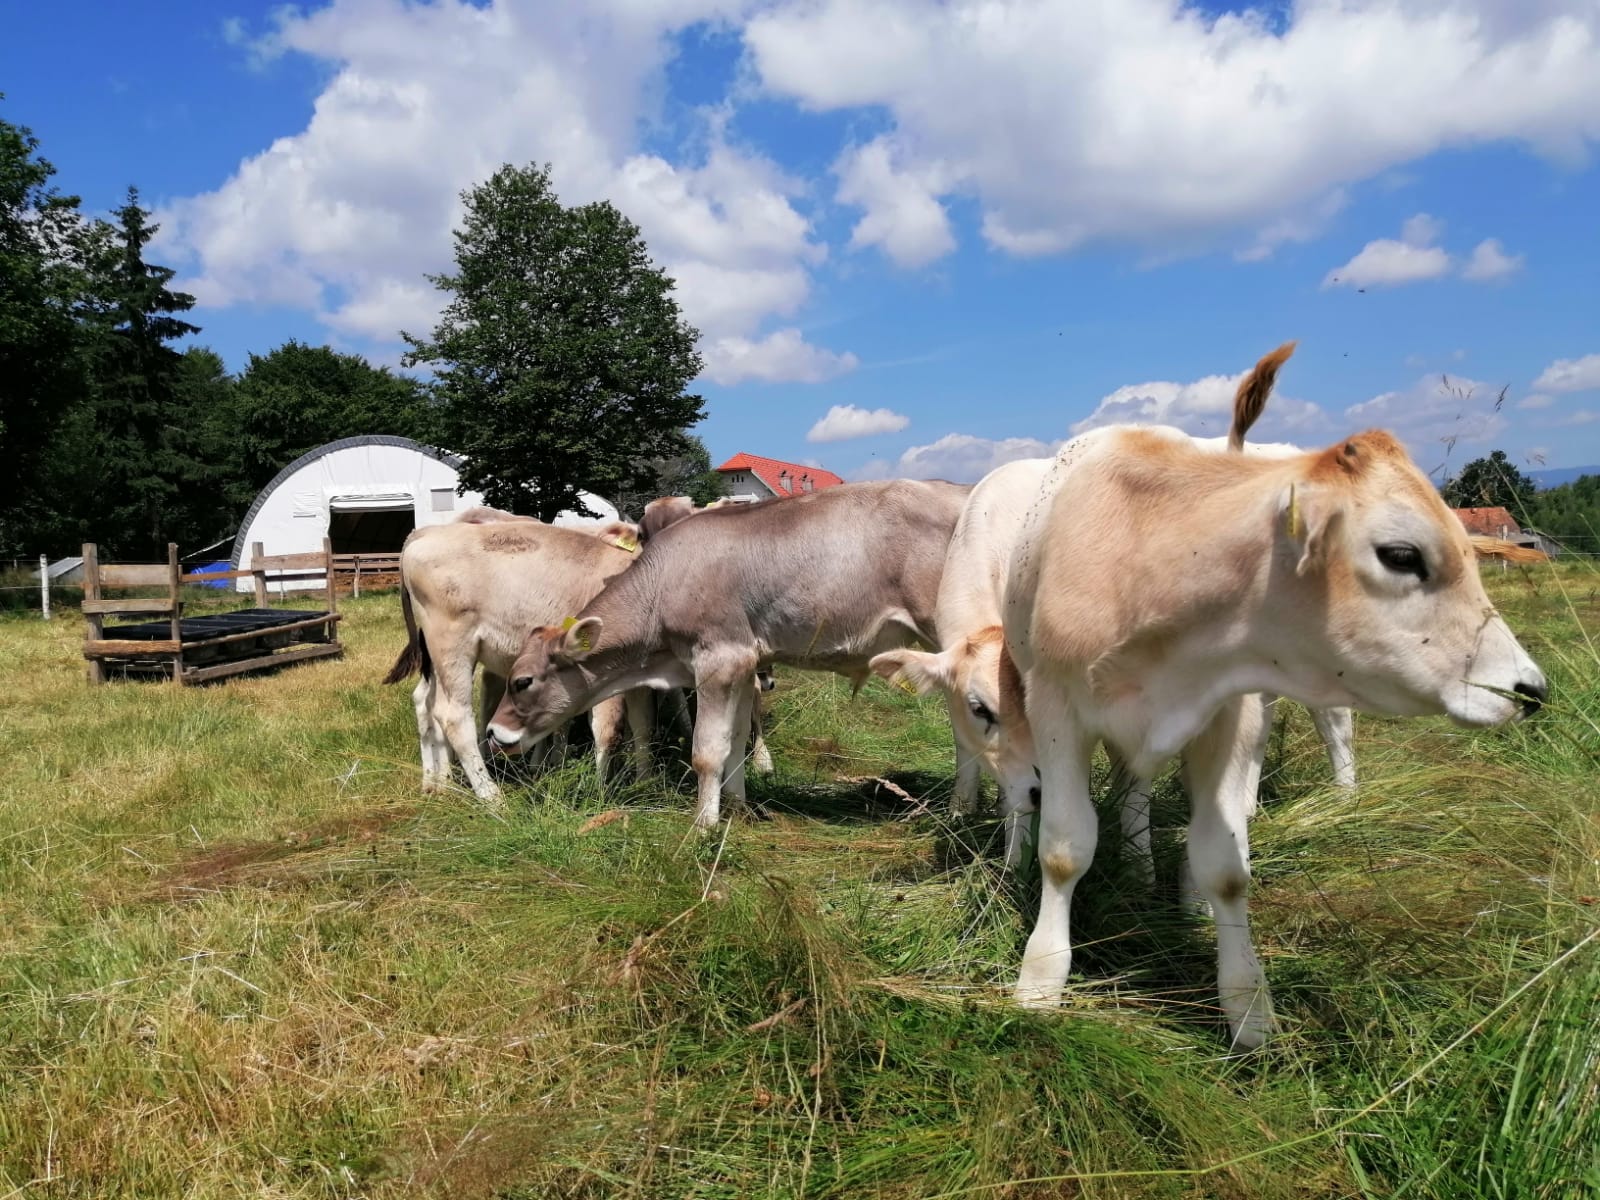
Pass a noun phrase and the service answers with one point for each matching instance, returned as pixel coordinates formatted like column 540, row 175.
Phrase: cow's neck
column 632, row 652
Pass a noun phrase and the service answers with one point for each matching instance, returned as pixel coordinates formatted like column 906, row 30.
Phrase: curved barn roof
column 311, row 456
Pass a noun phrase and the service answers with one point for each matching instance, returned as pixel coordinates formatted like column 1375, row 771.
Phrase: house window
column 805, row 483
column 784, row 481
column 738, row 477
column 444, row 499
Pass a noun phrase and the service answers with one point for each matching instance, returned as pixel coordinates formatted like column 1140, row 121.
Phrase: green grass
column 241, row 956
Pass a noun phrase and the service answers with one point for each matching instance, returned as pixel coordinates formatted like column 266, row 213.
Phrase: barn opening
column 370, row 524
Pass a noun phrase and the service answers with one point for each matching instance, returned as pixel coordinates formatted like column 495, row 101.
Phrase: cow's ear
column 916, row 671
column 1309, row 516
column 578, row 639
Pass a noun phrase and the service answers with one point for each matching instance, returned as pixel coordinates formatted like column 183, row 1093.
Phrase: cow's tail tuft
column 1251, row 398
column 415, row 656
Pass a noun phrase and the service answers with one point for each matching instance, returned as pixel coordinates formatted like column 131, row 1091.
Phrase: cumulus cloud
column 345, row 217
column 845, row 421
column 1537, row 400
column 958, row 457
column 1205, row 408
column 1433, row 415
column 1387, row 262
column 1490, row 261
column 1571, row 375
column 1158, row 122
column 781, row 356
column 903, row 215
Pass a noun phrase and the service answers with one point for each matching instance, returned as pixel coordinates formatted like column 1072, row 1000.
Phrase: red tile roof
column 1488, row 522
column 771, row 470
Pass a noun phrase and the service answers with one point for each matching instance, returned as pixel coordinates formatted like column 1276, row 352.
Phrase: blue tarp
column 224, row 565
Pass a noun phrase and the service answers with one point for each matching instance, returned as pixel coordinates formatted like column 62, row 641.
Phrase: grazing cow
column 821, row 581
column 1336, row 577
column 470, row 591
column 982, row 689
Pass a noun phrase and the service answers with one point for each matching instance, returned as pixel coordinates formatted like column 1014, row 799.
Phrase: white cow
column 470, row 591
column 980, row 682
column 1337, row 578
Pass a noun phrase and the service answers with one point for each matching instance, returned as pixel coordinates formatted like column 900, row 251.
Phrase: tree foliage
column 561, row 361
column 1570, row 513
column 1490, row 482
column 42, row 368
column 298, row 397
column 687, row 473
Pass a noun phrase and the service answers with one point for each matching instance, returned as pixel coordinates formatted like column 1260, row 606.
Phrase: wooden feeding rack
column 196, row 649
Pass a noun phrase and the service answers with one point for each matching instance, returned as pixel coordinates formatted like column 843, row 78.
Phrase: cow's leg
column 733, row 769
column 605, row 722
column 1133, row 795
column 491, row 690
column 641, row 706
column 1338, row 729
column 452, row 708
column 1067, row 837
column 1222, row 769
column 760, row 756
column 964, row 799
column 435, row 753
column 1018, row 804
column 722, row 685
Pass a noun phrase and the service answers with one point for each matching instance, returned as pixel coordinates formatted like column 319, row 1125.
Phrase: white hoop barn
column 365, row 494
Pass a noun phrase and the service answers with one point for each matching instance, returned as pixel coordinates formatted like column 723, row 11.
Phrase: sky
column 919, row 237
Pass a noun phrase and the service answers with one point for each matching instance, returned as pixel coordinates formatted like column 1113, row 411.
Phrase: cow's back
column 976, row 566
column 812, row 573
column 493, row 582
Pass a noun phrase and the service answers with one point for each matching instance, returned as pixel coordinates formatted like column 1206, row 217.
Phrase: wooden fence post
column 174, row 584
column 44, row 586
column 91, row 591
column 256, row 555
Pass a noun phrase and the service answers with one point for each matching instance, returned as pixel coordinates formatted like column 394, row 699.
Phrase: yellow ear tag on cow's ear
column 906, row 686
column 627, row 543
column 1296, row 525
column 585, row 642
column 567, row 623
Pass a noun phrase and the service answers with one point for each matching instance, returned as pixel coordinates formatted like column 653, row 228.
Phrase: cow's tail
column 415, row 656
column 1251, row 398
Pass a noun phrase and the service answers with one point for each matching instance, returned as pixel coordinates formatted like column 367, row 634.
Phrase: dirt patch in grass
column 229, row 864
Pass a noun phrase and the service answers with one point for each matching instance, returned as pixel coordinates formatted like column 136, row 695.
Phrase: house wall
column 745, row 486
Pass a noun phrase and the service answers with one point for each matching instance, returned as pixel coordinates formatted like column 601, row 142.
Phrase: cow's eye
column 1403, row 559
column 981, row 710
column 521, row 683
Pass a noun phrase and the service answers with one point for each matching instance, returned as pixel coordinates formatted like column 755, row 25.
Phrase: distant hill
column 1556, row 476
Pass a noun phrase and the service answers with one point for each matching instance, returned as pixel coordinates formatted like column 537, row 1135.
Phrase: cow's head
column 544, row 687
column 983, row 690
column 1366, row 548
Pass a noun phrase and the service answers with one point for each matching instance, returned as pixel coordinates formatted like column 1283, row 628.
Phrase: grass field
column 241, row 956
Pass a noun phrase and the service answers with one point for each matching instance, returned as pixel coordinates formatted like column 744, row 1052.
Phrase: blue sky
column 953, row 232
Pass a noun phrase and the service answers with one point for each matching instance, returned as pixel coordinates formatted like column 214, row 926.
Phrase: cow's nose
column 1533, row 696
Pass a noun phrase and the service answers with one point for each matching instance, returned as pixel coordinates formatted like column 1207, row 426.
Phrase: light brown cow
column 1336, row 578
column 470, row 591
column 821, row 581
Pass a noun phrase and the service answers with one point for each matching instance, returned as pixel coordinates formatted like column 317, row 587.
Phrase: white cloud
column 1166, row 123
column 958, row 457
column 1537, row 400
column 782, row 356
column 903, row 215
column 845, row 421
column 1571, row 375
column 1205, row 408
column 1386, row 262
column 1296, row 227
column 1433, row 415
column 423, row 100
column 1490, row 261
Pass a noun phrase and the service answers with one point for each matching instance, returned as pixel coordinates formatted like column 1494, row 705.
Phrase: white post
column 44, row 585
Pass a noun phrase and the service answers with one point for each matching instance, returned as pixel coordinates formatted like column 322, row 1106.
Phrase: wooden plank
column 208, row 576
column 298, row 654
column 245, row 636
column 289, row 562
column 332, row 589
column 157, row 604
column 121, row 575
column 260, row 577
column 295, row 577
column 113, row 648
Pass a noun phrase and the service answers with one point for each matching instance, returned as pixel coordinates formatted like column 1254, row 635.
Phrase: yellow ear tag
column 567, row 623
column 628, row 544
column 1296, row 525
column 906, row 686
column 585, row 642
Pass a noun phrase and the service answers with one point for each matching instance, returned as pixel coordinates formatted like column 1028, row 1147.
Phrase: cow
column 1337, row 578
column 469, row 591
column 821, row 581
column 980, row 684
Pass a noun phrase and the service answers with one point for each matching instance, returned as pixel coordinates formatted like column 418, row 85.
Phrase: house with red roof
column 1496, row 521
column 750, row 477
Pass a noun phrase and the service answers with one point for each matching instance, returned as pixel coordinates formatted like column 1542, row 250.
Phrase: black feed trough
column 200, row 629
